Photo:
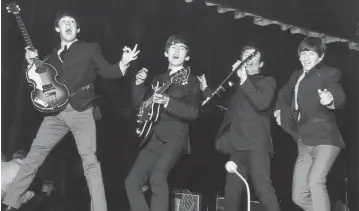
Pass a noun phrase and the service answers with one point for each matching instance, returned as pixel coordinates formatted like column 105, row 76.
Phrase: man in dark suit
column 169, row 137
column 304, row 110
column 245, row 131
column 77, row 71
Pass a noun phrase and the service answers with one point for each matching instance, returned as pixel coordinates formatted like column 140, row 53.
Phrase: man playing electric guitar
column 77, row 71
column 170, row 133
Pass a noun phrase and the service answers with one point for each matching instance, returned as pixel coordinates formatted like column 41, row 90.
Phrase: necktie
column 63, row 52
column 296, row 114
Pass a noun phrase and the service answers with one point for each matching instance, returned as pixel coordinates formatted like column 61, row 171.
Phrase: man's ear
column 321, row 58
column 187, row 58
column 166, row 54
column 57, row 29
column 78, row 30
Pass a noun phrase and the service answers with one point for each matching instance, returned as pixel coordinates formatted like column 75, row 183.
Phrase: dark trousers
column 153, row 163
column 256, row 163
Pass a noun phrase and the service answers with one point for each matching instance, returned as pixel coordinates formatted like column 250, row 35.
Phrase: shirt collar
column 68, row 45
column 174, row 70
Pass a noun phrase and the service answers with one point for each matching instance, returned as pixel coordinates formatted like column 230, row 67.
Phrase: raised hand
column 30, row 55
column 129, row 55
column 202, row 81
column 141, row 76
column 241, row 72
column 236, row 64
column 326, row 98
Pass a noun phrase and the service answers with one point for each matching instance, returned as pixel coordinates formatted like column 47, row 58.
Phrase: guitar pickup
column 50, row 94
column 47, row 87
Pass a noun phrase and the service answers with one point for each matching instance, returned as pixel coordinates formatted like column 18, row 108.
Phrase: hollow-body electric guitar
column 48, row 95
column 150, row 111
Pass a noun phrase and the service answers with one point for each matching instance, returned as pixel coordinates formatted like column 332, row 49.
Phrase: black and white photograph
column 179, row 105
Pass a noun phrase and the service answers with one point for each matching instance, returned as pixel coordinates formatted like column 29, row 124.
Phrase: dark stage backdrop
column 215, row 41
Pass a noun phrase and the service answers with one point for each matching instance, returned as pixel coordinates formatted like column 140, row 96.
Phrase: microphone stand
column 231, row 167
column 248, row 191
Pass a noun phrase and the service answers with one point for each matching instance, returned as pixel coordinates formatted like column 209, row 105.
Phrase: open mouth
column 175, row 57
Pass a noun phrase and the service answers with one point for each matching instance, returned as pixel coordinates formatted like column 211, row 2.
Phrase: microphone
column 231, row 167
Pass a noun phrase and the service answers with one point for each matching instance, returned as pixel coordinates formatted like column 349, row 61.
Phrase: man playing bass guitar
column 169, row 136
column 77, row 71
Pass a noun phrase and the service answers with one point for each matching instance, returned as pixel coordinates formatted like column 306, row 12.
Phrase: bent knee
column 297, row 198
column 158, row 178
column 89, row 159
column 132, row 183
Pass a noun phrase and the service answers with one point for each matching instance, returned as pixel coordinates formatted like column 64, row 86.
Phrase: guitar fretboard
column 23, row 30
column 27, row 39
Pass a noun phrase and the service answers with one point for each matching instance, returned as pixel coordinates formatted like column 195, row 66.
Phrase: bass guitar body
column 48, row 95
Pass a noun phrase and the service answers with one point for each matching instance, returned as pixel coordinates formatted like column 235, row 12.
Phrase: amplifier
column 184, row 200
column 255, row 205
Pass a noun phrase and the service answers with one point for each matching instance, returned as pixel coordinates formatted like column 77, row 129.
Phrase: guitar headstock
column 181, row 76
column 13, row 8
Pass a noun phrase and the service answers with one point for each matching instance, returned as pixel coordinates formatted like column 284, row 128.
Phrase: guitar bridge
column 50, row 94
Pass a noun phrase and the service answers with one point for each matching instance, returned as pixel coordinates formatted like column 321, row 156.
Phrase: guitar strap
column 46, row 58
column 84, row 88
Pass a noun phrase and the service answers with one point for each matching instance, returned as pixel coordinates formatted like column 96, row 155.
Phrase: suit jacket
column 317, row 123
column 246, row 123
column 79, row 68
column 173, row 123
